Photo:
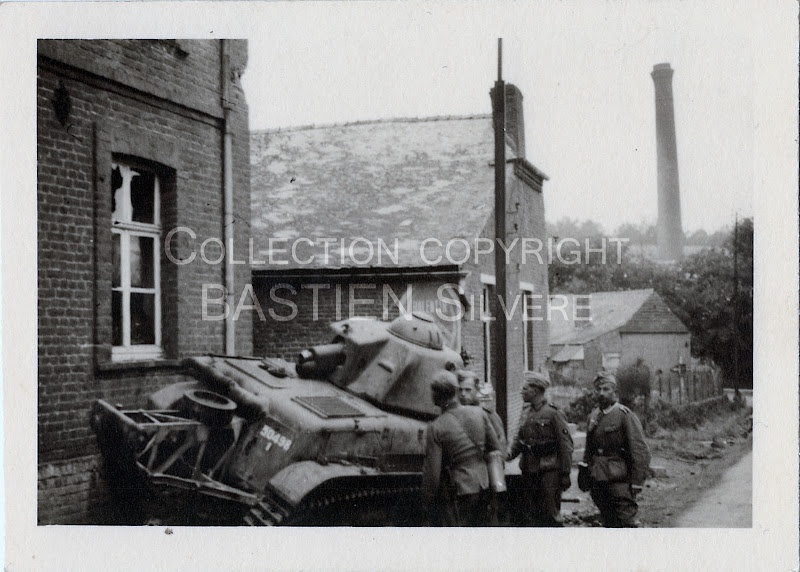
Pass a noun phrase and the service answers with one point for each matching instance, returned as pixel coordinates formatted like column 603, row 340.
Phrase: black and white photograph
column 400, row 286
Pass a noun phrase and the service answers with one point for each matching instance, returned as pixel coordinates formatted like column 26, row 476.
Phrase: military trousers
column 462, row 510
column 541, row 498
column 617, row 504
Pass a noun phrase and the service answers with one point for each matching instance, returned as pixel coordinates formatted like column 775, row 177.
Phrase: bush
column 633, row 386
column 562, row 380
column 668, row 416
column 579, row 409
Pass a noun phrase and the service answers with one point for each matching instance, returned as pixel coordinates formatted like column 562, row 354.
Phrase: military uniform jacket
column 616, row 435
column 456, row 445
column 544, row 441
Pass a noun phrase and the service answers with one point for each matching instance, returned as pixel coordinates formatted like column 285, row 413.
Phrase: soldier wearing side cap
column 455, row 478
column 544, row 441
column 616, row 455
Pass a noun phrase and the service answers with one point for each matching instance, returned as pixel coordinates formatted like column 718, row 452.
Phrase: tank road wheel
column 208, row 407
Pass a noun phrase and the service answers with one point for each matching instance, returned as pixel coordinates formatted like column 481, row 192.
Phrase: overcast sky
column 584, row 74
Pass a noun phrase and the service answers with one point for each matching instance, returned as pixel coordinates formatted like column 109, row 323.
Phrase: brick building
column 352, row 219
column 614, row 329
column 131, row 144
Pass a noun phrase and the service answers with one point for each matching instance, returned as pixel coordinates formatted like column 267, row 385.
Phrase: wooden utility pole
column 499, row 353
column 736, row 305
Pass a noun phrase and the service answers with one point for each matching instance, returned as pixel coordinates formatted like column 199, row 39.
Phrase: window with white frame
column 527, row 329
column 135, row 284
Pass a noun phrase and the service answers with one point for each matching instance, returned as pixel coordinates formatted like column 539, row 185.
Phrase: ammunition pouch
column 542, row 448
column 609, row 469
column 549, row 463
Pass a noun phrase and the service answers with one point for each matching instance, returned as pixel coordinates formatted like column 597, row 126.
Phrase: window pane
column 141, row 261
column 116, row 318
column 115, row 254
column 143, row 318
column 143, row 196
column 116, row 193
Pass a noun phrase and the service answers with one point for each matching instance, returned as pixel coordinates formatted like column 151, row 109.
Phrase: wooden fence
column 699, row 381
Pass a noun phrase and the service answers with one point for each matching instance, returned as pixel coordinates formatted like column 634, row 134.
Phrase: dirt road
column 726, row 505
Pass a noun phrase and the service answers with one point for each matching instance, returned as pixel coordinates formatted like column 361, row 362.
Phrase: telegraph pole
column 499, row 353
column 736, row 306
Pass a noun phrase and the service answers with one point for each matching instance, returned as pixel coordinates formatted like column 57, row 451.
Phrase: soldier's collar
column 610, row 408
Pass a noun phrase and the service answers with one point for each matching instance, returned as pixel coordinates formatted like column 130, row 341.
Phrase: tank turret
column 388, row 365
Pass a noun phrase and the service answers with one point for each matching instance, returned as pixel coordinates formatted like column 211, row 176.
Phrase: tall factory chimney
column 670, row 231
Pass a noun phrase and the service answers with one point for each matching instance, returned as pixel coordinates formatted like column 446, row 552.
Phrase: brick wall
column 524, row 220
column 160, row 102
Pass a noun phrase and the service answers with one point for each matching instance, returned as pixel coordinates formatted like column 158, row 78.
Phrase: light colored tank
column 337, row 438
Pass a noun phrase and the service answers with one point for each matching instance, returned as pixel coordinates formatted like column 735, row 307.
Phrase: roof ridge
column 373, row 122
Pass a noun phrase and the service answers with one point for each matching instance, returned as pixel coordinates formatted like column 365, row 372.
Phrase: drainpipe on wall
column 227, row 194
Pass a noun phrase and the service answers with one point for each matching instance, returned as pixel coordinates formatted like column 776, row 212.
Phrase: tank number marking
column 280, row 440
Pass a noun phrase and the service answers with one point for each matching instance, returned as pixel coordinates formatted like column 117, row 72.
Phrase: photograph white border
column 772, row 542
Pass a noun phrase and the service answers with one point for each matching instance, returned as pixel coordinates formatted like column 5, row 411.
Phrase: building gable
column 654, row 316
column 609, row 311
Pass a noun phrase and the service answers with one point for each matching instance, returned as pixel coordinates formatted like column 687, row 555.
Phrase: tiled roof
column 628, row 311
column 398, row 181
column 654, row 316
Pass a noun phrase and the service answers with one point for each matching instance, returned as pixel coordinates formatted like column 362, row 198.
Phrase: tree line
column 638, row 234
column 699, row 288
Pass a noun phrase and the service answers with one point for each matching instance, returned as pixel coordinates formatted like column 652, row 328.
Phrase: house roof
column 629, row 311
column 397, row 181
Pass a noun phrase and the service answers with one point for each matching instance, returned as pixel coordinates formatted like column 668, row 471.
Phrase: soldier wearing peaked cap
column 544, row 441
column 616, row 456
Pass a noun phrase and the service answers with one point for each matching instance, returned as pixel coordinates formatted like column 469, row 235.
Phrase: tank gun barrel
column 319, row 361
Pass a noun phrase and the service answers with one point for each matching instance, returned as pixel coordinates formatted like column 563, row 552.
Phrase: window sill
column 130, row 365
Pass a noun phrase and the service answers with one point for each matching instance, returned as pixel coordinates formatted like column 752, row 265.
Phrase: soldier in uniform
column 455, row 478
column 545, row 443
column 469, row 394
column 617, row 456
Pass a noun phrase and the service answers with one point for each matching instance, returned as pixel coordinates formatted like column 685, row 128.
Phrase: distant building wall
column 659, row 351
column 155, row 105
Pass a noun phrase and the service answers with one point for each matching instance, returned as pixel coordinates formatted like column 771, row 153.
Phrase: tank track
column 271, row 511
